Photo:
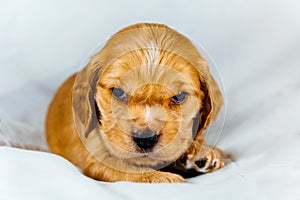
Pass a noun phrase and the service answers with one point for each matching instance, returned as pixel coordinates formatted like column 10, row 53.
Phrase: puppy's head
column 154, row 94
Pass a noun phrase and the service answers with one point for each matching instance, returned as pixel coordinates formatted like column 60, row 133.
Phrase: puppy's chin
column 148, row 161
column 155, row 160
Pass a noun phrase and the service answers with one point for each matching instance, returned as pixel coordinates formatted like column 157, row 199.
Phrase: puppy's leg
column 98, row 171
column 202, row 158
column 207, row 160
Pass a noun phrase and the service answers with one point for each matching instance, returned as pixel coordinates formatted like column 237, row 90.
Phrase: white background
column 255, row 44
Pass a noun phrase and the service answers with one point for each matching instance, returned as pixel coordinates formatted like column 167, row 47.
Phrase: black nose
column 145, row 139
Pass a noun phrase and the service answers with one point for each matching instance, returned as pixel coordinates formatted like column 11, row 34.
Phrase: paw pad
column 211, row 162
column 201, row 163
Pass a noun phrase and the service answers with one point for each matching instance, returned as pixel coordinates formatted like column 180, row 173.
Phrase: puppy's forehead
column 151, row 66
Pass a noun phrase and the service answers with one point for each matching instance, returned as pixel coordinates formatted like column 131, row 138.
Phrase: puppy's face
column 148, row 99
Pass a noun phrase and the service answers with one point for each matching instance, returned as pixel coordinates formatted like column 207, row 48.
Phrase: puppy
column 138, row 110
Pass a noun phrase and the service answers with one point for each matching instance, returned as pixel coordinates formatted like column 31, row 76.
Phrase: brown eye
column 179, row 98
column 119, row 94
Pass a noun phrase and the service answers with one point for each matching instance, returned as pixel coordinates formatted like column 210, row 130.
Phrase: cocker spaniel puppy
column 138, row 110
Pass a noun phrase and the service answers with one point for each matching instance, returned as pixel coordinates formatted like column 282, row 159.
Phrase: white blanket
column 254, row 43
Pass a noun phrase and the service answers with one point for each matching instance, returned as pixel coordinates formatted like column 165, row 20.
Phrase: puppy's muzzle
column 145, row 139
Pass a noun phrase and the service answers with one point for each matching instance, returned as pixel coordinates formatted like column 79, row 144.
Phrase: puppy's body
column 151, row 77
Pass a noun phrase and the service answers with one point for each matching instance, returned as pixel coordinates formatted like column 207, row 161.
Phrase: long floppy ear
column 211, row 102
column 85, row 110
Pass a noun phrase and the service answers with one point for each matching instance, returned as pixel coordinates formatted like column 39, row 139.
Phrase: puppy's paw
column 160, row 177
column 209, row 161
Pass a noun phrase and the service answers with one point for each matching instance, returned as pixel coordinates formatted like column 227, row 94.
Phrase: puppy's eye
column 179, row 98
column 119, row 94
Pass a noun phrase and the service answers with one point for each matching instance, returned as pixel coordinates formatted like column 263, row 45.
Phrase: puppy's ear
column 85, row 109
column 211, row 102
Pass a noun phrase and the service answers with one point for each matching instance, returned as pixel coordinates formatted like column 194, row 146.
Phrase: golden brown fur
column 151, row 63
